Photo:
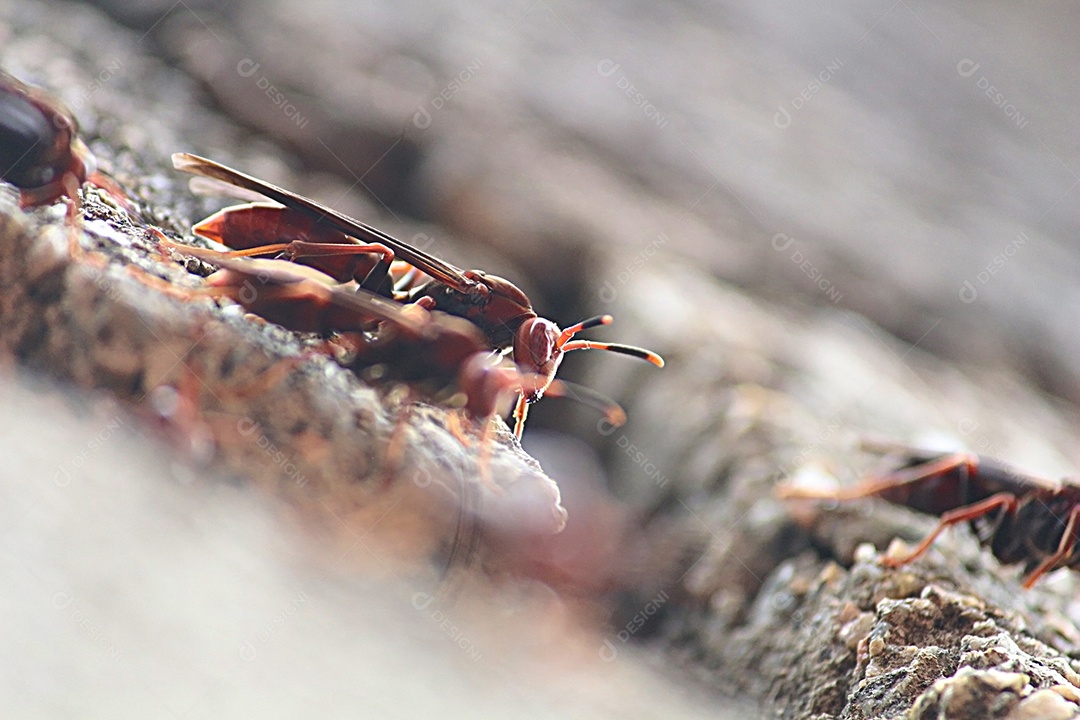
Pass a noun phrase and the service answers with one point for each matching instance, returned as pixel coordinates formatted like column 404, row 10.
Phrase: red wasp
column 1021, row 518
column 496, row 306
column 442, row 355
column 41, row 152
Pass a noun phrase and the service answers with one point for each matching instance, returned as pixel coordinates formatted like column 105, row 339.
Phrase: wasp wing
column 442, row 271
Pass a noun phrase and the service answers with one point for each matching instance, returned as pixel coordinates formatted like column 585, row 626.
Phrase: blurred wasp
column 349, row 249
column 40, row 149
column 1021, row 518
column 42, row 154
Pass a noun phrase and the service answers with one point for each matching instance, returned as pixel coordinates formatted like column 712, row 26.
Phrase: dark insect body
column 323, row 238
column 42, row 154
column 40, row 150
column 1020, row 518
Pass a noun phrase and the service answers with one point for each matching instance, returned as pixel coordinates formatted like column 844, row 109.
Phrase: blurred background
column 911, row 166
column 914, row 163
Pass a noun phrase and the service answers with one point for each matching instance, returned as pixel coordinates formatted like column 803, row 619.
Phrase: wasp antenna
column 573, row 330
column 590, row 398
column 640, row 353
column 275, row 249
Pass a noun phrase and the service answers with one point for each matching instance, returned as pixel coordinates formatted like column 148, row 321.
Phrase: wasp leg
column 274, row 249
column 923, row 472
column 73, row 216
column 1006, row 501
column 521, row 410
column 375, row 278
column 1068, row 541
